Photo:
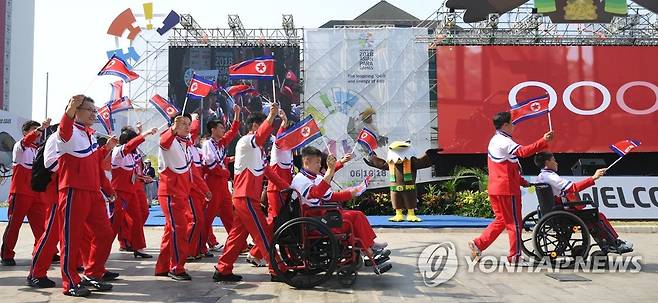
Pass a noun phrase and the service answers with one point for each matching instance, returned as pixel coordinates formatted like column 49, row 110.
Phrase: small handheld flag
column 105, row 118
column 530, row 108
column 240, row 89
column 622, row 148
column 118, row 67
column 164, row 107
column 120, row 104
column 367, row 139
column 258, row 68
column 199, row 87
column 298, row 135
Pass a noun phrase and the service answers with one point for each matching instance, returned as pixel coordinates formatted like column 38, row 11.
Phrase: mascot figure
column 402, row 164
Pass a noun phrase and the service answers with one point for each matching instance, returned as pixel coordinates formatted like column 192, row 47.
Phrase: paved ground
column 402, row 283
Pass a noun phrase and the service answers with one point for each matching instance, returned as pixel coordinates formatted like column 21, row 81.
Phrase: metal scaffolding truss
column 523, row 26
column 239, row 37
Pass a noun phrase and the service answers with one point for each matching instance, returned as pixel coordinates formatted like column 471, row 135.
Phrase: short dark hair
column 542, row 157
column 212, row 124
column 127, row 127
column 311, row 151
column 256, row 117
column 501, row 118
column 29, row 124
column 126, row 135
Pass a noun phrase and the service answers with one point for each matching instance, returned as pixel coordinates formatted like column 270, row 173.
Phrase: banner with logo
column 371, row 77
column 616, row 197
column 597, row 95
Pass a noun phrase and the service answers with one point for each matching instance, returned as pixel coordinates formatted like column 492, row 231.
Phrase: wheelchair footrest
column 380, row 269
column 379, row 260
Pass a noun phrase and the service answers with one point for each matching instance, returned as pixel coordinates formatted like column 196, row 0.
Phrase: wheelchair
column 554, row 232
column 311, row 244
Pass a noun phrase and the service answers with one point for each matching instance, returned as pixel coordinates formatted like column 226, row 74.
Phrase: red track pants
column 507, row 210
column 174, row 246
column 21, row 205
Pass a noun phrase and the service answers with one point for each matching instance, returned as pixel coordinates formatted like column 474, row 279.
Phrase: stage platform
column 156, row 218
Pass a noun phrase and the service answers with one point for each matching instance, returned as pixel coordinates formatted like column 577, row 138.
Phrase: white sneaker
column 255, row 261
column 217, row 248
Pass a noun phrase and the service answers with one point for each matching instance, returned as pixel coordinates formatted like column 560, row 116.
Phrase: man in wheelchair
column 315, row 189
column 565, row 191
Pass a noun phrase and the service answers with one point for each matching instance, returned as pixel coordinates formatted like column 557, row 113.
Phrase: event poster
column 373, row 78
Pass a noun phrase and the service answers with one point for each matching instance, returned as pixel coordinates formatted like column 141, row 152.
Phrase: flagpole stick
column 274, row 91
column 550, row 125
column 184, row 105
column 354, row 148
column 326, row 145
column 613, row 163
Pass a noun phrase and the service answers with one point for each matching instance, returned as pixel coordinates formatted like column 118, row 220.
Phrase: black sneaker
column 77, row 291
column 218, row 277
column 40, row 282
column 208, row 255
column 110, row 276
column 56, row 259
column 180, row 277
column 8, row 262
column 100, row 286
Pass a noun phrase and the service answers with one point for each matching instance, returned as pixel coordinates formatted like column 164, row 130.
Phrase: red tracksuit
column 127, row 210
column 216, row 163
column 23, row 201
column 81, row 205
column 281, row 162
column 174, row 197
column 315, row 190
column 504, row 190
column 564, row 189
column 196, row 234
column 250, row 168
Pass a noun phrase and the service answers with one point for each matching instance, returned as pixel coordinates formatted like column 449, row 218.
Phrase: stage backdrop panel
column 354, row 74
column 616, row 197
column 598, row 94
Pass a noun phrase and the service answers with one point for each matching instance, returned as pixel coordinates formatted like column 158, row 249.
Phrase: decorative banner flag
column 166, row 109
column 624, row 147
column 105, row 118
column 117, row 91
column 530, row 108
column 240, row 89
column 199, row 87
column 298, row 135
column 117, row 67
column 259, row 68
column 120, row 104
column 367, row 139
column 290, row 75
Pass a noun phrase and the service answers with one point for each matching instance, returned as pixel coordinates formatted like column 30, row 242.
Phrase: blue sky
column 71, row 40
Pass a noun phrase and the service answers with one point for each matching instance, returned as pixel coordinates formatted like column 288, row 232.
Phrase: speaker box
column 587, row 166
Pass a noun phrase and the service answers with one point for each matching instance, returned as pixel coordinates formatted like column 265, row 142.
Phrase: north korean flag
column 624, row 147
column 298, row 135
column 367, row 139
column 166, row 109
column 530, row 108
column 240, row 89
column 105, row 118
column 120, row 104
column 259, row 68
column 117, row 67
column 199, row 87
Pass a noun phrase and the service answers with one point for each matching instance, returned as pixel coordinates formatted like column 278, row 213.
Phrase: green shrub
column 433, row 202
column 473, row 204
column 372, row 203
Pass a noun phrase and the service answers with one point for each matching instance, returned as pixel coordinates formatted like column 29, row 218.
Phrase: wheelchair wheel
column 305, row 252
column 562, row 236
column 529, row 222
column 347, row 276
